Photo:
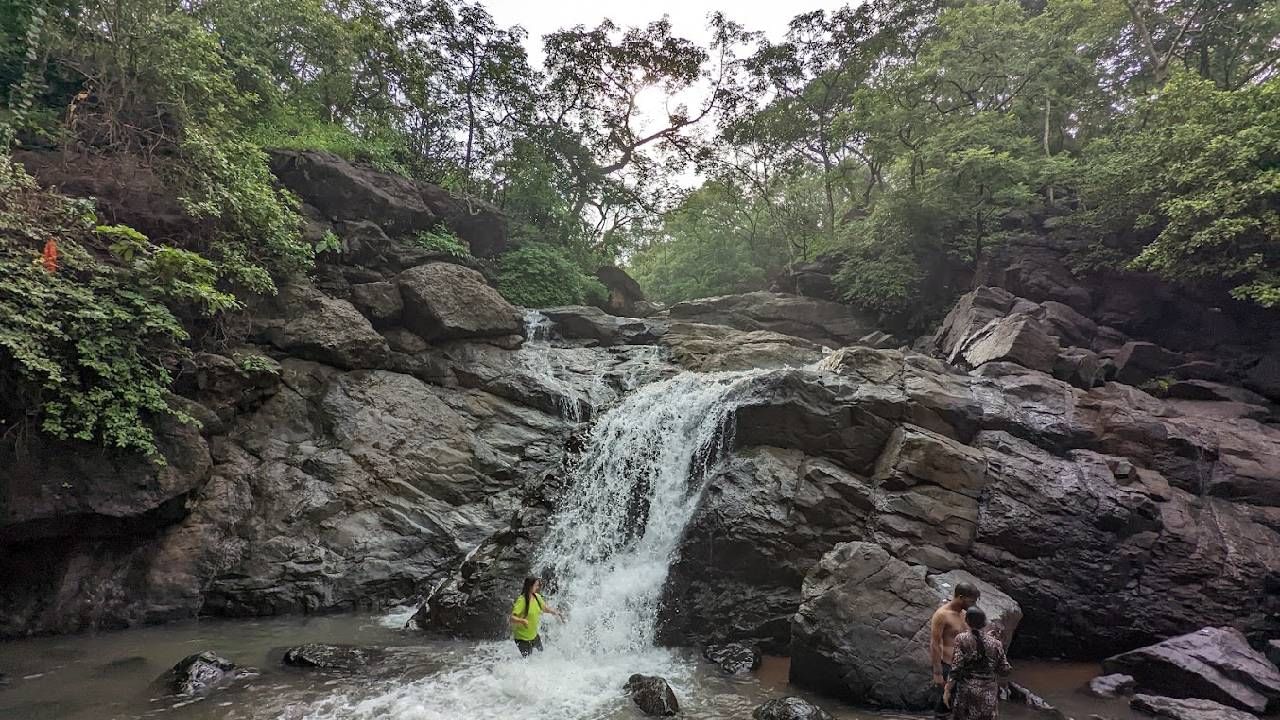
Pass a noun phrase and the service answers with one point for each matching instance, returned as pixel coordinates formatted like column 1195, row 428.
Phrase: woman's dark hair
column 529, row 597
column 976, row 620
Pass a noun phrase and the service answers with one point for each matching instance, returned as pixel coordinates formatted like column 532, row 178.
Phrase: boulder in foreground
column 789, row 708
column 199, row 673
column 1186, row 709
column 1214, row 663
column 652, row 694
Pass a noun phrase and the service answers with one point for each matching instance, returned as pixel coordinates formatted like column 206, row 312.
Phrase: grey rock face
column 446, row 301
column 1214, row 664
column 1186, row 709
column 820, row 321
column 1112, row 685
column 308, row 324
column 862, row 630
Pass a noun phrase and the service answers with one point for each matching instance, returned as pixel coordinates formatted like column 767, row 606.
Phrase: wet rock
column 972, row 312
column 1186, row 708
column 862, row 629
column 332, row 657
column 820, row 321
column 1273, row 652
column 1082, row 368
column 1018, row 338
column 445, row 301
column 880, row 340
column 626, row 298
column 733, row 658
column 714, row 348
column 228, row 384
column 1200, row 370
column 1021, row 695
column 1216, row 392
column 1214, row 663
column 199, row 673
column 1139, row 362
column 789, row 708
column 1264, row 377
column 590, row 323
column 652, row 695
column 379, row 301
column 1112, row 685
column 308, row 324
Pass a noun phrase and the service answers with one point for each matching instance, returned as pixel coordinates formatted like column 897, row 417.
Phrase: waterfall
column 608, row 551
column 543, row 360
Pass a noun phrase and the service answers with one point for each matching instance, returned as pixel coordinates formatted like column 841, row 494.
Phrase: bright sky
column 688, row 17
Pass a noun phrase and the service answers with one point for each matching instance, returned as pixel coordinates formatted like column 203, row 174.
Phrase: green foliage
column 86, row 346
column 443, row 241
column 1202, row 172
column 254, row 364
column 297, row 130
column 328, row 243
column 539, row 275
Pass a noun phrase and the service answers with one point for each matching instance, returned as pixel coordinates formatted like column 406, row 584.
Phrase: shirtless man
column 947, row 622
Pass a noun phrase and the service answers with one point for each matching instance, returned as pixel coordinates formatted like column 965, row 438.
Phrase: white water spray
column 609, row 549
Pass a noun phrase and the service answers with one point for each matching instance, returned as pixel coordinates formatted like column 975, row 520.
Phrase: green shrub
column 296, row 130
column 84, row 346
column 443, row 241
column 537, row 275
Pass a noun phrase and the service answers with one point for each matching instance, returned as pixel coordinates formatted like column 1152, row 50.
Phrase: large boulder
column 1186, row 709
column 862, row 630
column 306, row 323
column 820, row 321
column 1138, row 362
column 1018, row 338
column 347, row 191
column 1112, row 685
column 447, row 301
column 1214, row 663
column 625, row 298
column 653, row 695
column 713, row 348
column 578, row 322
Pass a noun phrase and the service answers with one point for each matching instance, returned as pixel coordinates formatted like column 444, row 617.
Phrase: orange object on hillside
column 50, row 257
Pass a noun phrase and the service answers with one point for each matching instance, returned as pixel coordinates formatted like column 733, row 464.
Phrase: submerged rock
column 199, row 673
column 652, row 694
column 733, row 658
column 1112, row 685
column 1186, row 709
column 1021, row 695
column 789, row 708
column 332, row 657
column 1214, row 663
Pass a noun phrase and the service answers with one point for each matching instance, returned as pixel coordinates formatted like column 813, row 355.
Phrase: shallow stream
column 108, row 676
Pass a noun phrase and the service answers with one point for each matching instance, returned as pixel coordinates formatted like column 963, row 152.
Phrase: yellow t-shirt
column 530, row 631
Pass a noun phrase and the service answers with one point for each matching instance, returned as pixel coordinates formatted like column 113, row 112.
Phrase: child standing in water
column 526, row 615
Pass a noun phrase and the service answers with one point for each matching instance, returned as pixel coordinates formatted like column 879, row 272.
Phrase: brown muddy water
column 109, row 676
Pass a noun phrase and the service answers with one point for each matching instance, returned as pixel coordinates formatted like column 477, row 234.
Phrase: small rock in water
column 1112, row 685
column 202, row 672
column 733, row 658
column 331, row 657
column 1186, row 709
column 1019, row 694
column 789, row 708
column 652, row 694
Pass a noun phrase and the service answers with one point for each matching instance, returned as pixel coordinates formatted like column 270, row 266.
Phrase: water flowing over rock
column 653, row 695
column 1186, row 709
column 1214, row 663
column 789, row 708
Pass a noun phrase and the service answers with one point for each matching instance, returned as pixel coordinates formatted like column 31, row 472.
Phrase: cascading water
column 609, row 549
column 541, row 359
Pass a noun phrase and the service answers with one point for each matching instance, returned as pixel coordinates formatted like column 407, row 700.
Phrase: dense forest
column 902, row 141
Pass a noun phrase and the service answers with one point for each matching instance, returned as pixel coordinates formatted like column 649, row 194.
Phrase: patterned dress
column 977, row 685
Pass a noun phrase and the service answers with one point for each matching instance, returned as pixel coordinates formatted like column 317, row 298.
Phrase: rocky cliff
column 1102, row 454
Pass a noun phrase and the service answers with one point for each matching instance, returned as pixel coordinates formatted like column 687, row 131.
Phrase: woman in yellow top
column 526, row 614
